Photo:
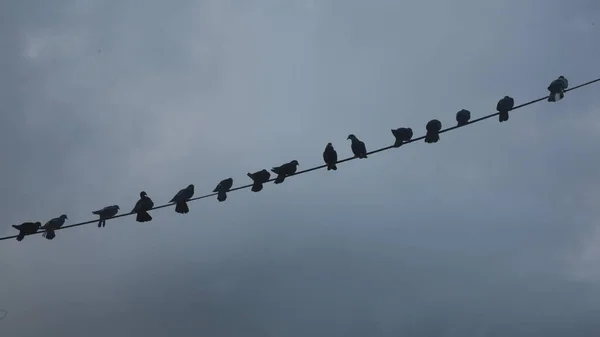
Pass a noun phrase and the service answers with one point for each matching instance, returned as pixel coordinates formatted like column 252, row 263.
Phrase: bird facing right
column 181, row 198
column 284, row 170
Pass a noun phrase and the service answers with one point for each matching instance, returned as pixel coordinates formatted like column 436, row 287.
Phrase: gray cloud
column 488, row 233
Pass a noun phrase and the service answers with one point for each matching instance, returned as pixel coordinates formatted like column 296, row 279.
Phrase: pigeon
column 27, row 228
column 557, row 88
column 330, row 157
column 142, row 207
column 259, row 178
column 222, row 188
column 358, row 147
column 462, row 117
column 106, row 213
column 51, row 226
column 433, row 128
column 181, row 198
column 284, row 170
column 504, row 106
column 402, row 135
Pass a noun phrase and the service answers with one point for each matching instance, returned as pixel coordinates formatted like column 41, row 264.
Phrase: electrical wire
column 320, row 166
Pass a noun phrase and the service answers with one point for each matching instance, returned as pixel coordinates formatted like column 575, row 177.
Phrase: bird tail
column 275, row 170
column 257, row 187
column 432, row 138
column 503, row 116
column 552, row 97
column 397, row 143
column 49, row 234
column 21, row 236
column 143, row 216
column 222, row 196
column 182, row 207
column 99, row 223
column 280, row 178
column 331, row 167
column 250, row 175
column 362, row 156
column 16, row 227
column 96, row 212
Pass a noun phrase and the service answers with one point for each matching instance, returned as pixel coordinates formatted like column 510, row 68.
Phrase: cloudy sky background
column 493, row 231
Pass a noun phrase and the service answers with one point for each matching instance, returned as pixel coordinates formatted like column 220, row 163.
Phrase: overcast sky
column 493, row 231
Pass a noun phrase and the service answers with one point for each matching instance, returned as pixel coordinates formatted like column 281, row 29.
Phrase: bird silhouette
column 181, row 198
column 433, row 128
column 557, row 89
column 330, row 157
column 51, row 226
column 106, row 213
column 142, row 207
column 222, row 188
column 258, row 179
column 284, row 171
column 503, row 107
column 358, row 147
column 402, row 135
column 27, row 228
column 462, row 117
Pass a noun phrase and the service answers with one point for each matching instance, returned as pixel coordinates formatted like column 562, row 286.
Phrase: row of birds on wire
column 402, row 135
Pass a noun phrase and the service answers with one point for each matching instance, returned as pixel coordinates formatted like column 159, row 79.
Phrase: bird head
column 329, row 145
column 190, row 187
column 63, row 217
column 38, row 224
column 351, row 136
column 294, row 162
column 143, row 194
column 116, row 207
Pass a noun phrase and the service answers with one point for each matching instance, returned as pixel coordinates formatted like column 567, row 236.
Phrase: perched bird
column 330, row 157
column 142, row 207
column 402, row 135
column 504, row 106
column 462, row 117
column 259, row 178
column 284, row 170
column 557, row 89
column 106, row 213
column 181, row 199
column 358, row 147
column 222, row 188
column 27, row 228
column 433, row 128
column 51, row 226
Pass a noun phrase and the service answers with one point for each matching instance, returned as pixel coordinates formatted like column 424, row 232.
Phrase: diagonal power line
column 322, row 166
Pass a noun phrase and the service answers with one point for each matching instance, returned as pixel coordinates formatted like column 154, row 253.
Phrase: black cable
column 321, row 166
